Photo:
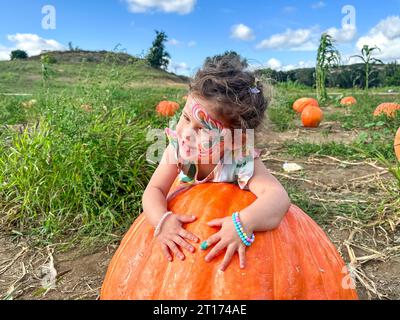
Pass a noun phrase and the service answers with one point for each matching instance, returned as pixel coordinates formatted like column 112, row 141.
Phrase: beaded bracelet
column 239, row 229
column 158, row 228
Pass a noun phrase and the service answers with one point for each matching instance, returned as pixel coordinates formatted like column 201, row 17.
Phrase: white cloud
column 4, row 53
column 31, row 43
column 274, row 64
column 295, row 40
column 277, row 65
column 168, row 6
column 178, row 43
column 242, row 32
column 318, row 5
column 178, row 67
column 299, row 65
column 385, row 35
column 346, row 34
column 174, row 42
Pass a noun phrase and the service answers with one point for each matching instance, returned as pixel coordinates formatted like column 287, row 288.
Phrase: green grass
column 73, row 175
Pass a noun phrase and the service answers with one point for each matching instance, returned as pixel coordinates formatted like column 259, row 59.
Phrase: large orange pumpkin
column 311, row 117
column 301, row 103
column 348, row 101
column 167, row 108
column 397, row 144
column 294, row 261
column 388, row 108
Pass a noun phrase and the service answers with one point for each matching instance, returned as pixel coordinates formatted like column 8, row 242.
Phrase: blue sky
column 279, row 34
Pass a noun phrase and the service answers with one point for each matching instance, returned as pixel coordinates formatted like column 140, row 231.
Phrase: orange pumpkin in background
column 294, row 261
column 388, row 108
column 397, row 144
column 167, row 108
column 311, row 117
column 301, row 103
column 348, row 101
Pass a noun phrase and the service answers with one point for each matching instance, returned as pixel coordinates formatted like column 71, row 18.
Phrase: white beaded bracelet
column 158, row 228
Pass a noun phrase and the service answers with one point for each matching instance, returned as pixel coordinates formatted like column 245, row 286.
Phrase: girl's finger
column 242, row 256
column 165, row 251
column 215, row 251
column 213, row 239
column 175, row 250
column 186, row 218
column 188, row 235
column 228, row 257
column 215, row 222
column 183, row 243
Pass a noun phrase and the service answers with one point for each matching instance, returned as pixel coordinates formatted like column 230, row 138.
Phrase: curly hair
column 224, row 80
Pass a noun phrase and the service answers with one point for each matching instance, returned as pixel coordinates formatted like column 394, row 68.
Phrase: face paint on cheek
column 211, row 137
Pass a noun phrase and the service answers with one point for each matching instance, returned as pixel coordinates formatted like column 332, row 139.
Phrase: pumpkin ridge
column 120, row 250
column 145, row 253
column 310, row 256
column 294, row 230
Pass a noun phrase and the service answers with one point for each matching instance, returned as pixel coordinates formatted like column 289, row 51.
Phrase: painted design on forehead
column 205, row 119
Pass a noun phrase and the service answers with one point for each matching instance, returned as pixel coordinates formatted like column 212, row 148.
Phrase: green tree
column 157, row 56
column 369, row 61
column 328, row 56
column 18, row 55
column 392, row 74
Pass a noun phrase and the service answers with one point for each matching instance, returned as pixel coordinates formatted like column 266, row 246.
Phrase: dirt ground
column 371, row 249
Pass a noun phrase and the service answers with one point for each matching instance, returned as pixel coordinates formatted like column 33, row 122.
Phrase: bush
column 19, row 55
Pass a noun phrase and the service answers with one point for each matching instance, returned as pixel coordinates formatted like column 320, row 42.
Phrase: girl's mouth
column 185, row 147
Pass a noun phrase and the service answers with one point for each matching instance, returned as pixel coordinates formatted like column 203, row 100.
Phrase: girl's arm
column 154, row 197
column 172, row 236
column 271, row 204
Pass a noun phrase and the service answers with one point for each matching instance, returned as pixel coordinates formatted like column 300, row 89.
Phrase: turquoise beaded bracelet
column 239, row 229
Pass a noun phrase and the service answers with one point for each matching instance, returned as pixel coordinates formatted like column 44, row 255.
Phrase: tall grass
column 75, row 168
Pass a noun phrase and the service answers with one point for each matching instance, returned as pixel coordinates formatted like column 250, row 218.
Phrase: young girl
column 222, row 98
column 212, row 150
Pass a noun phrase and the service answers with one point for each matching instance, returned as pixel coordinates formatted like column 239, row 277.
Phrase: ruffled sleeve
column 173, row 141
column 245, row 169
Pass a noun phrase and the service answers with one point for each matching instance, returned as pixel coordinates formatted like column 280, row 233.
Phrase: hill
column 82, row 67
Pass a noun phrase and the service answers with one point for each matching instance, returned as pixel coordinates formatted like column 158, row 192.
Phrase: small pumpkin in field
column 311, row 116
column 348, row 101
column 294, row 261
column 387, row 108
column 167, row 108
column 301, row 103
column 397, row 144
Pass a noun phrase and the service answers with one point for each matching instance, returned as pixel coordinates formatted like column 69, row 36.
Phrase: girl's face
column 200, row 134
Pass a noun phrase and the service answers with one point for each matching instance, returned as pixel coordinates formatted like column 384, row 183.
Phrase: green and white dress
column 238, row 171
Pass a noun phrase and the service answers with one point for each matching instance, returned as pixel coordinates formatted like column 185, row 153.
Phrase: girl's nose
column 189, row 134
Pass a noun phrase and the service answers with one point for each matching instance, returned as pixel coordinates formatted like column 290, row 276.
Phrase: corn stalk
column 366, row 57
column 328, row 56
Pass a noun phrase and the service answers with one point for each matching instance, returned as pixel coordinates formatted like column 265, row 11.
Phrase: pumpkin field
column 73, row 169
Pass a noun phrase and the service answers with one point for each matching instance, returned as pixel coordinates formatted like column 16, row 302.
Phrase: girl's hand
column 172, row 235
column 228, row 238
